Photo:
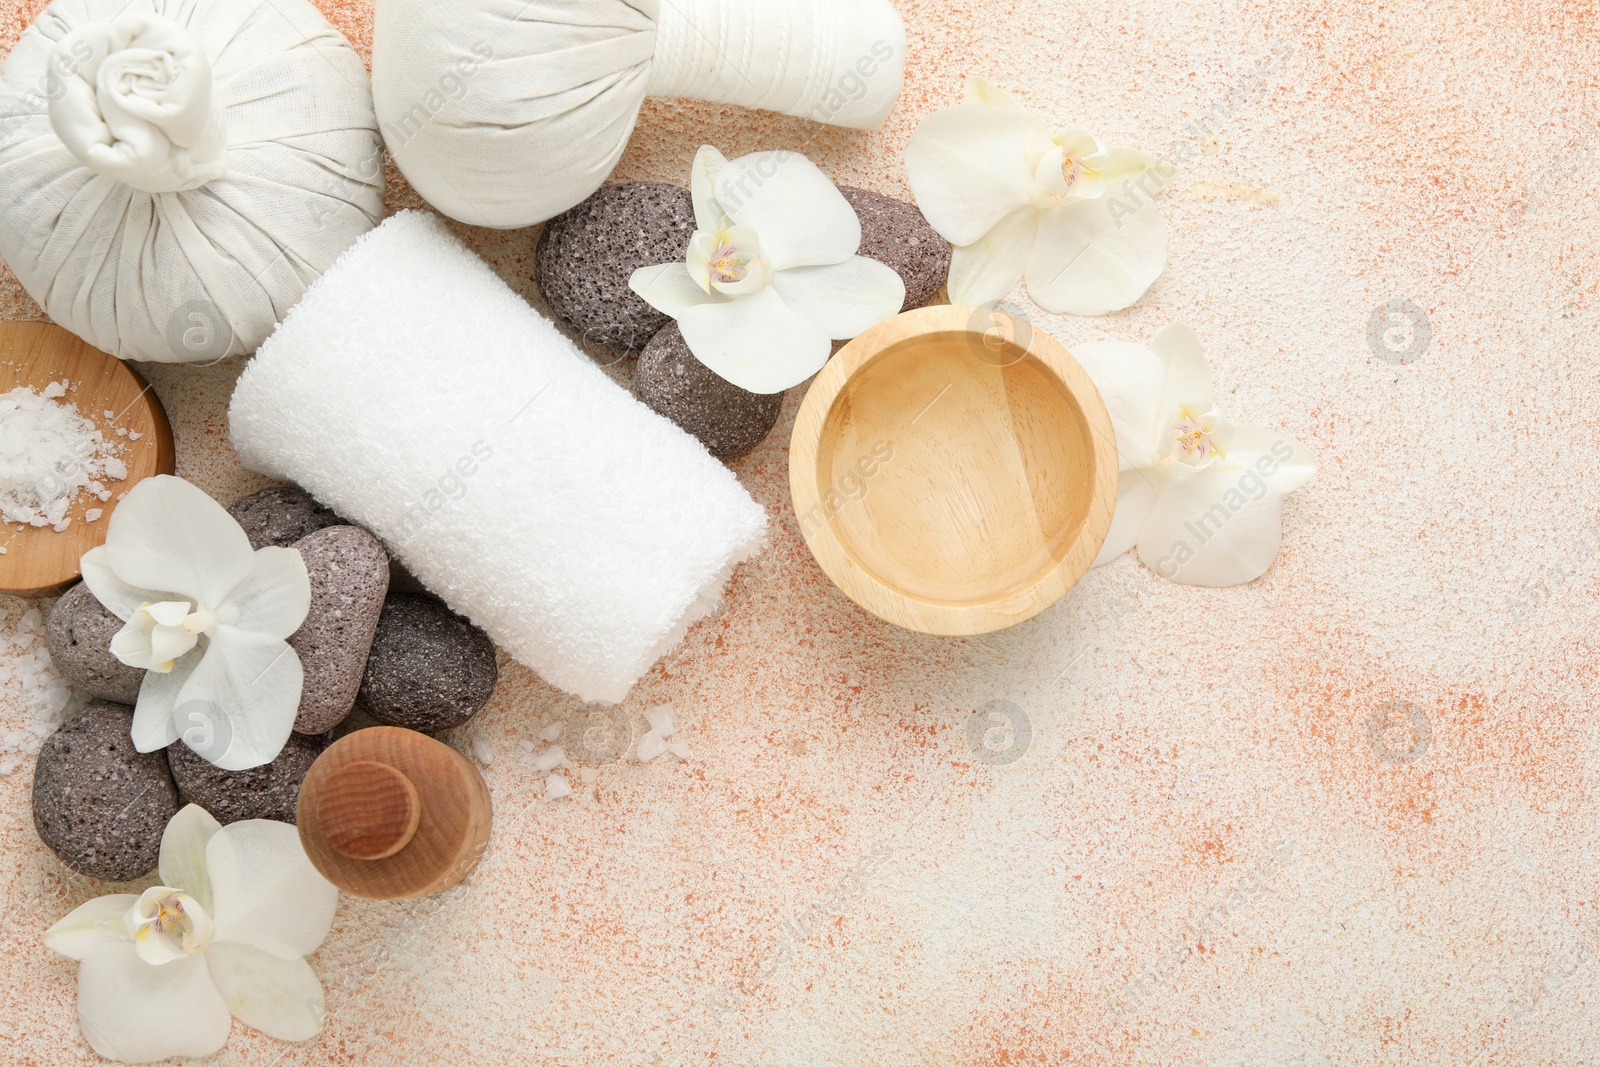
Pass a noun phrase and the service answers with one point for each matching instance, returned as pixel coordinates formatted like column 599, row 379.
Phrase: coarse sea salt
column 33, row 698
column 48, row 453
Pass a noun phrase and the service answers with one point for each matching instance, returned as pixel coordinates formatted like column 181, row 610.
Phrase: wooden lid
column 388, row 812
column 37, row 560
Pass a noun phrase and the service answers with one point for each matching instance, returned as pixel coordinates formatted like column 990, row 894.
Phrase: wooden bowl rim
column 866, row 588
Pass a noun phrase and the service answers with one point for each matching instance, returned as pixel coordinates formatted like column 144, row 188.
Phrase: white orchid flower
column 206, row 619
column 772, row 276
column 1076, row 218
column 1200, row 498
column 225, row 934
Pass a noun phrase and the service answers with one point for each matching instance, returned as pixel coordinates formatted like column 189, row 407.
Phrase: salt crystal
column 115, row 468
column 92, row 514
column 550, row 733
column 587, row 775
column 134, row 435
column 122, row 431
column 49, row 453
column 483, row 750
column 548, row 759
column 556, row 786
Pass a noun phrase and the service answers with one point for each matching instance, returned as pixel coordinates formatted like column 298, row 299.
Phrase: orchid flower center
column 1194, row 438
column 1069, row 170
column 167, row 924
column 156, row 635
column 727, row 261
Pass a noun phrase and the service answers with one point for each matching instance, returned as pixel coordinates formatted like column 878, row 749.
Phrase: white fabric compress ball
column 176, row 173
column 508, row 112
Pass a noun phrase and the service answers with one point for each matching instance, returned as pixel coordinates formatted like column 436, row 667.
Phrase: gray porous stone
column 349, row 573
column 98, row 803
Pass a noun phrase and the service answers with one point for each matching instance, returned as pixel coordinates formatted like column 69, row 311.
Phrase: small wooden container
column 953, row 470
column 387, row 812
column 38, row 561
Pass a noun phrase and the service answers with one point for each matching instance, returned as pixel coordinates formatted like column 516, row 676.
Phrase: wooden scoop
column 387, row 812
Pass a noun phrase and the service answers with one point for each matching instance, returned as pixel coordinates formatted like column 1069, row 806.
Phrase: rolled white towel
column 413, row 392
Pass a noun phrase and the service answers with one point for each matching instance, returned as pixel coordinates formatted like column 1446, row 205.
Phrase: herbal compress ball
column 177, row 173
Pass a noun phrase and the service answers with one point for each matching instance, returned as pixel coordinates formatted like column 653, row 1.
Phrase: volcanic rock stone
column 349, row 573
column 266, row 792
column 895, row 234
column 281, row 516
column 586, row 255
column 726, row 419
column 429, row 668
column 97, row 802
column 79, row 634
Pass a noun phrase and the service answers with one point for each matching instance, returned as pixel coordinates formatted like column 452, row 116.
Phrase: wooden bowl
column 386, row 813
column 953, row 470
column 37, row 560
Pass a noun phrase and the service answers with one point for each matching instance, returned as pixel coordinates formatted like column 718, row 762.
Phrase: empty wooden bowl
column 953, row 470
column 387, row 812
column 37, row 560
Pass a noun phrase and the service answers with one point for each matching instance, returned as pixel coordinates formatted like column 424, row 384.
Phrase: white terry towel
column 413, row 392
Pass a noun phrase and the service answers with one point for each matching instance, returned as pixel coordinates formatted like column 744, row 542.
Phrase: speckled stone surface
column 586, row 255
column 97, row 802
column 349, row 573
column 895, row 234
column 266, row 792
column 728, row 420
column 429, row 669
column 79, row 631
column 280, row 515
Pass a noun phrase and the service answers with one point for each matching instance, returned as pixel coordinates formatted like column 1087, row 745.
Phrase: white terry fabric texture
column 511, row 111
column 177, row 172
column 413, row 392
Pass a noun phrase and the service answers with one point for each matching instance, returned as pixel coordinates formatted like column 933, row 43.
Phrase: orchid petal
column 1285, row 463
column 169, row 534
column 842, row 298
column 1094, row 257
column 708, row 214
column 979, row 91
column 266, row 892
column 274, row 598
column 1130, row 378
column 238, row 706
column 1213, row 527
column 971, row 165
column 183, row 852
column 1079, row 143
column 1188, row 377
column 281, row 998
column 1137, row 491
column 90, row 925
column 136, row 1013
column 756, row 342
column 117, row 596
column 168, row 644
column 670, row 289
column 154, row 725
column 134, row 646
column 986, row 270
column 803, row 219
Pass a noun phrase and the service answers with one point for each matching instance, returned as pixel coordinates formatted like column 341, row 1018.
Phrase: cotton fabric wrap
column 414, row 393
column 509, row 112
column 177, row 172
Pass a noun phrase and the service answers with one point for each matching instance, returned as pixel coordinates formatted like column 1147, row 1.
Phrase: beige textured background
column 1204, row 856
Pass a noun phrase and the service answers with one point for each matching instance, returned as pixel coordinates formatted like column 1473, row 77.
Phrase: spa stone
column 587, row 254
column 349, row 573
column 895, row 234
column 266, row 792
column 79, row 635
column 97, row 802
column 429, row 668
column 726, row 419
column 281, row 516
